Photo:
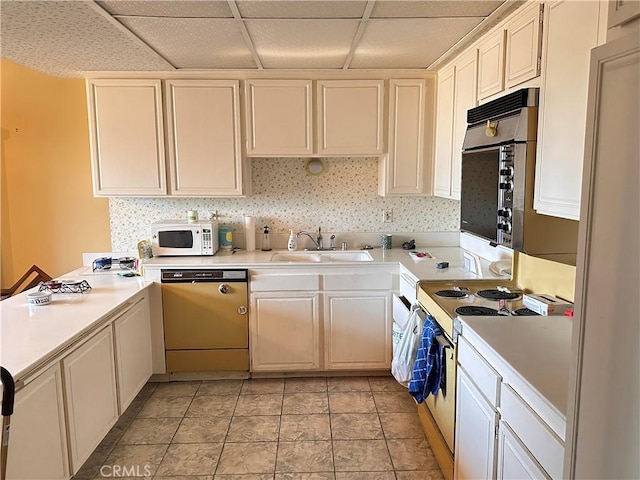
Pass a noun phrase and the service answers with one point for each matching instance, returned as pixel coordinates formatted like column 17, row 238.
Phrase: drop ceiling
column 71, row 38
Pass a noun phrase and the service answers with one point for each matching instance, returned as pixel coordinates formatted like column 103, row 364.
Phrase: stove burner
column 524, row 311
column 497, row 295
column 475, row 310
column 451, row 294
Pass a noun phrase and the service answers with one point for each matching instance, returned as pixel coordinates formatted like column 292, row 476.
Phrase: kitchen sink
column 322, row 257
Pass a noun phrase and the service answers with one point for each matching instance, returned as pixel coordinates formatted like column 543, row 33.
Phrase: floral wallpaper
column 343, row 198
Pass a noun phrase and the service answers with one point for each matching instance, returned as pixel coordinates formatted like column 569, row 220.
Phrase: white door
column 476, row 422
column 285, row 331
column 358, row 329
column 515, row 462
column 203, row 137
column 90, row 387
column 38, row 430
column 491, row 64
column 523, row 45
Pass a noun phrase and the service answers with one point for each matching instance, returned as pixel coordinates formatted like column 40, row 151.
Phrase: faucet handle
column 332, row 242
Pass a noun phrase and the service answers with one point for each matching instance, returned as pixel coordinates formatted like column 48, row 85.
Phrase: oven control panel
column 505, row 195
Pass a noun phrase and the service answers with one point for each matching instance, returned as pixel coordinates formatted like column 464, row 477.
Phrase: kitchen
column 65, row 193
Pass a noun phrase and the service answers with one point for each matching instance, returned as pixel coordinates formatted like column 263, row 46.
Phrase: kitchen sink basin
column 322, row 257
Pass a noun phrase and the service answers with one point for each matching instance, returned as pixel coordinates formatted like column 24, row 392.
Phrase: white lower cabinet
column 132, row 334
column 285, row 331
column 515, row 462
column 90, row 388
column 476, row 424
column 38, row 430
column 357, row 330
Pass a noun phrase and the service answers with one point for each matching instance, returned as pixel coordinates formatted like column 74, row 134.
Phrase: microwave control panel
column 207, row 242
column 505, row 196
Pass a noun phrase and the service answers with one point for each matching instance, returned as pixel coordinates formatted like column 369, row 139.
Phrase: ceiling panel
column 301, row 8
column 433, row 8
column 66, row 38
column 408, row 42
column 165, row 8
column 194, row 42
column 302, row 43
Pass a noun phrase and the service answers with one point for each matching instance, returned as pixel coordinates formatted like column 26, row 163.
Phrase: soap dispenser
column 292, row 245
column 266, row 241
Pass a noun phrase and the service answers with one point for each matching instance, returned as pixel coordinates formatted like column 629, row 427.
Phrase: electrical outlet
column 387, row 216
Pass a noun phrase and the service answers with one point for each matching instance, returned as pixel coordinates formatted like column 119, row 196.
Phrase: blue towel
column 427, row 369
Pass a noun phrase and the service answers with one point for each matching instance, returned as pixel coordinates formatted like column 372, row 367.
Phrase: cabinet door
column 515, row 462
column 203, row 118
column 350, row 117
column 90, row 387
column 465, row 98
column 571, row 31
column 444, row 132
column 127, row 137
column 133, row 352
column 279, row 119
column 491, row 64
column 404, row 168
column 38, row 430
column 357, row 330
column 285, row 331
column 523, row 46
column 622, row 11
column 476, row 422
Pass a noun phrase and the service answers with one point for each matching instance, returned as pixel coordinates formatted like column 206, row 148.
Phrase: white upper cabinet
column 523, row 46
column 350, row 117
column 279, row 117
column 457, row 89
column 203, row 138
column 403, row 171
column 444, row 132
column 127, row 140
column 571, row 31
column 491, row 64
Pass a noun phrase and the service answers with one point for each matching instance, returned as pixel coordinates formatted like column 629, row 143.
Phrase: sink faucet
column 318, row 242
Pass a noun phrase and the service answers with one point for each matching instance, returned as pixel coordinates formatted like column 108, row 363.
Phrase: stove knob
column 506, row 213
column 506, row 185
column 505, row 227
column 507, row 172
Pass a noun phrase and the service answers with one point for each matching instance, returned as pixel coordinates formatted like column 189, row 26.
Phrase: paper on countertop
column 419, row 256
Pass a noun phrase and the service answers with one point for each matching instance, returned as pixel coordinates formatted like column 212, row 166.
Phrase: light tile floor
column 336, row 428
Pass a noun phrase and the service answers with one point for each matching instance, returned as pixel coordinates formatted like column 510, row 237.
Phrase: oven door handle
column 442, row 340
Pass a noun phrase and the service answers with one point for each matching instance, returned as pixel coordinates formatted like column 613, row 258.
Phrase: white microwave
column 182, row 238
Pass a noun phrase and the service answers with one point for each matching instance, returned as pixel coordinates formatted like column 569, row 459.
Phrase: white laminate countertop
column 422, row 269
column 30, row 335
column 536, row 350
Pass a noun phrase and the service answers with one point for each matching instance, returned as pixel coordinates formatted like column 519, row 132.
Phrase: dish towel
column 427, row 369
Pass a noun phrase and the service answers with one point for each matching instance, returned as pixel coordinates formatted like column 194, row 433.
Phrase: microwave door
column 179, row 239
column 480, row 194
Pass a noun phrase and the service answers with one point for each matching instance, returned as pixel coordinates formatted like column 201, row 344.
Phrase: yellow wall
column 544, row 276
column 49, row 215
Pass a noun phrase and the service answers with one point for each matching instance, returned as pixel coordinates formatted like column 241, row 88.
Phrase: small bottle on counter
column 292, row 245
column 266, row 241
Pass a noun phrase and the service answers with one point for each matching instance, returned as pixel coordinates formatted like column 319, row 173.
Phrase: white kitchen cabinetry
column 132, row 335
column 459, row 87
column 127, row 139
column 203, row 138
column 403, row 171
column 350, row 117
column 91, row 396
column 38, row 440
column 571, row 31
column 622, row 11
column 523, row 45
column 279, row 118
column 491, row 64
column 285, row 322
column 515, row 462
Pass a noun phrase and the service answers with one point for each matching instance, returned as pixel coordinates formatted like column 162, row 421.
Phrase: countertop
column 30, row 335
column 536, row 350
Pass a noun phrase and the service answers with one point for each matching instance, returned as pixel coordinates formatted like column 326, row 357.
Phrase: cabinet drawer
column 484, row 376
column 408, row 288
column 536, row 435
column 400, row 310
column 273, row 283
column 358, row 281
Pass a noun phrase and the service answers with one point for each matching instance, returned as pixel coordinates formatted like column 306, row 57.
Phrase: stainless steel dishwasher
column 206, row 326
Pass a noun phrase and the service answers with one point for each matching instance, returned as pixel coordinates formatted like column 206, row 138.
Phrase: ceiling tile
column 433, row 8
column 320, row 43
column 194, row 42
column 408, row 42
column 182, row 8
column 301, row 8
column 66, row 38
